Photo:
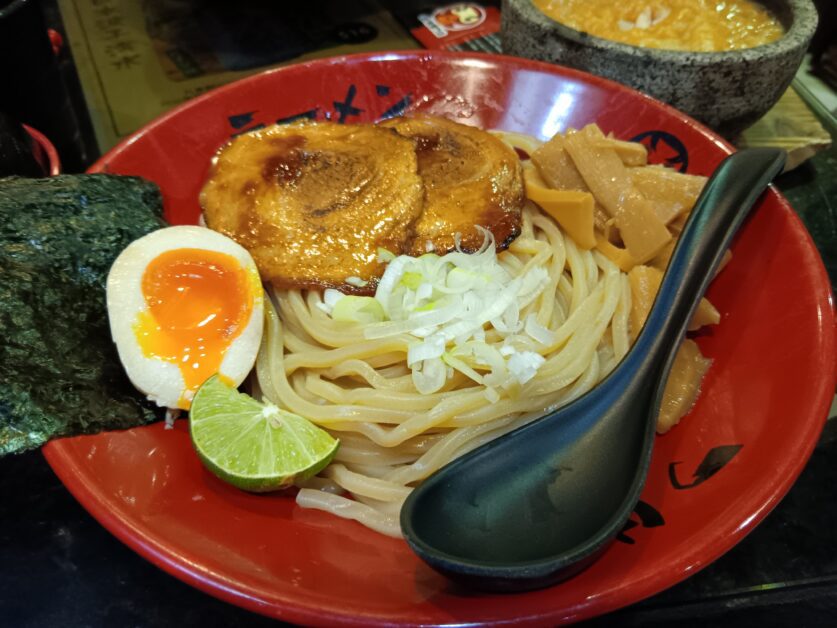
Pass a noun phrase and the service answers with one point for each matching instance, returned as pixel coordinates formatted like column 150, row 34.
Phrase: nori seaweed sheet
column 60, row 374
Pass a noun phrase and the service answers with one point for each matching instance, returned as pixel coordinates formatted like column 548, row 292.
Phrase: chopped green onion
column 357, row 310
column 445, row 304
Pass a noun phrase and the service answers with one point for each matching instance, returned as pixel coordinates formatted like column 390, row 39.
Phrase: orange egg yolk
column 198, row 303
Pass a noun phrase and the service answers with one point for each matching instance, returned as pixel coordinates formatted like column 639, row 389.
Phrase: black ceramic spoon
column 538, row 505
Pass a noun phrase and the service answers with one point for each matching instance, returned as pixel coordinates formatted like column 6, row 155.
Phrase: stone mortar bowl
column 727, row 91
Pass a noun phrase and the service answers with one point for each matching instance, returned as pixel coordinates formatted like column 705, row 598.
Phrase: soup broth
column 698, row 25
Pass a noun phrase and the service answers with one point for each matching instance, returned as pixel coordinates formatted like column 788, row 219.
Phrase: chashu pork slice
column 471, row 179
column 313, row 202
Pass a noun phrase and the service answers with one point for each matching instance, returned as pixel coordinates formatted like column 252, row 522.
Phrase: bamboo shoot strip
column 558, row 171
column 670, row 193
column 643, row 233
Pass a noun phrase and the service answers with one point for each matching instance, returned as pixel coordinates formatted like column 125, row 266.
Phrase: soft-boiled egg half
column 184, row 303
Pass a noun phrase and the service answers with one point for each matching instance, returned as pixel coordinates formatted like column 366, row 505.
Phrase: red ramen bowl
column 712, row 478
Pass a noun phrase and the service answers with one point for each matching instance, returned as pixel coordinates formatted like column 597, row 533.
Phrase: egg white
column 160, row 380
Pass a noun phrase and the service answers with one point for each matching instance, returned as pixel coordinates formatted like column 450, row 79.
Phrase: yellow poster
column 138, row 58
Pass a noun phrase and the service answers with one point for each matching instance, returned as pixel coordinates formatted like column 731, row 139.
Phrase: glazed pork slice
column 313, row 202
column 471, row 179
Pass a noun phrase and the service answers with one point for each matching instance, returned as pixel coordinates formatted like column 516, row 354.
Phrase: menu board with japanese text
column 137, row 59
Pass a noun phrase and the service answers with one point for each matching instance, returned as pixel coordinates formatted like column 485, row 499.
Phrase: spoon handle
column 720, row 210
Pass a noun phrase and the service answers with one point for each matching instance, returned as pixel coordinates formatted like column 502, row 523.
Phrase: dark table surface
column 61, row 568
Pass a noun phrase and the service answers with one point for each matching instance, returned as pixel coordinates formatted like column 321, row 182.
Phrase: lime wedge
column 254, row 446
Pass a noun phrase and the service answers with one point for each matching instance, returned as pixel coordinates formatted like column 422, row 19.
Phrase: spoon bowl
column 538, row 505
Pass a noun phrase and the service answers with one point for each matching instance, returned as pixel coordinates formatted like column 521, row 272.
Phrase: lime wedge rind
column 254, row 446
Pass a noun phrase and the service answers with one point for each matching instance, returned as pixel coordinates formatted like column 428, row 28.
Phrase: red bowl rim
column 417, row 56
column 47, row 149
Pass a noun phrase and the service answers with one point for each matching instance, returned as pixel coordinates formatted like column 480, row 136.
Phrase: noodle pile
column 392, row 436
